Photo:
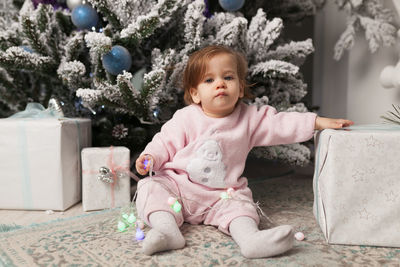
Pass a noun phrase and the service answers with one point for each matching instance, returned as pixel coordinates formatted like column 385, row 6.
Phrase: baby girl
column 199, row 155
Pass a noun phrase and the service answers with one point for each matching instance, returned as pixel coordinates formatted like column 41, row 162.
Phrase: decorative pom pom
column 140, row 224
column 171, row 201
column 230, row 191
column 299, row 236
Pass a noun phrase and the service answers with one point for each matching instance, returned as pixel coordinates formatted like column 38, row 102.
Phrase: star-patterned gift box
column 356, row 185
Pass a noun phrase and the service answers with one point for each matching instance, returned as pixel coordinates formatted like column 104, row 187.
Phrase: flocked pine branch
column 145, row 24
column 106, row 9
column 262, row 34
column 292, row 52
column 373, row 18
column 32, row 49
column 18, row 59
column 288, row 10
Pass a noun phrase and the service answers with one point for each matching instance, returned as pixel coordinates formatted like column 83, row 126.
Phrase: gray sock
column 254, row 243
column 164, row 235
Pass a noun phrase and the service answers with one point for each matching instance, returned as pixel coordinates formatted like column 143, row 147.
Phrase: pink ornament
column 171, row 200
column 299, row 236
column 230, row 191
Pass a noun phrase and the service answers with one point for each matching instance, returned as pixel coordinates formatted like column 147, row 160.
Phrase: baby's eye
column 209, row 80
column 228, row 78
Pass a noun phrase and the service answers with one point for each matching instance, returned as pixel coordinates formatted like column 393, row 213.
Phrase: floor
column 254, row 168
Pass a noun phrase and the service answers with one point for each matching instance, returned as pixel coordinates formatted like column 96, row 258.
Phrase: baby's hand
column 143, row 164
column 325, row 123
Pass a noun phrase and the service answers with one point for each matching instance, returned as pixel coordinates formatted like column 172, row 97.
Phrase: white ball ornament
column 71, row 4
column 386, row 77
column 396, row 78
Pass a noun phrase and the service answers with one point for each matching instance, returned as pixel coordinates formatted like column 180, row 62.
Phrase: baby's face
column 219, row 89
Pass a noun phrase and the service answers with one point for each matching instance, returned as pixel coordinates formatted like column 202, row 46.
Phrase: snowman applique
column 207, row 167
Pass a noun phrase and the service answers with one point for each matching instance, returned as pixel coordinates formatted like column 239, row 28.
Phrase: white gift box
column 356, row 185
column 40, row 162
column 110, row 188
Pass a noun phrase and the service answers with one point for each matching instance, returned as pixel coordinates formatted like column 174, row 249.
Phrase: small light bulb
column 177, row 206
column 131, row 219
column 224, row 195
column 139, row 234
column 121, row 226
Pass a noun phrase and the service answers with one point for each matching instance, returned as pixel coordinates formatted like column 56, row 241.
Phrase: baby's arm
column 268, row 127
column 325, row 123
column 164, row 144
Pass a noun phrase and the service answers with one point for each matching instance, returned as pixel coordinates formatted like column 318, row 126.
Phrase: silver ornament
column 74, row 3
column 55, row 107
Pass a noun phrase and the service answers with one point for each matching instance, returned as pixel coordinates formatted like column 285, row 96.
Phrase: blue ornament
column 84, row 17
column 117, row 60
column 27, row 48
column 231, row 5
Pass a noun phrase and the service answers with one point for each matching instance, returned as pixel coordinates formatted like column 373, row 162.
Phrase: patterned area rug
column 92, row 240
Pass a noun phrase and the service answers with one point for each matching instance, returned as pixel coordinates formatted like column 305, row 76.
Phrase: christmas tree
column 120, row 62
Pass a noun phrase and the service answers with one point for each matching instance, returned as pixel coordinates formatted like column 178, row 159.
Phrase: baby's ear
column 195, row 95
column 241, row 93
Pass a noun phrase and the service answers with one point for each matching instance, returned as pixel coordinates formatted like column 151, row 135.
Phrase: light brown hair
column 197, row 67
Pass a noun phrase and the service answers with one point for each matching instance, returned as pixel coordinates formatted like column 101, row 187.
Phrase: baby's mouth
column 221, row 94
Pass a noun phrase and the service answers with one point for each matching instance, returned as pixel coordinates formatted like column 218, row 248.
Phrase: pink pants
column 199, row 204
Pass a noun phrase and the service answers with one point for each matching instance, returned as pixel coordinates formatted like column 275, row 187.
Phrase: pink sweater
column 198, row 151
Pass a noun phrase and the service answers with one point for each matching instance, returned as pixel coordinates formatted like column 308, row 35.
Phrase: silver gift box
column 105, row 177
column 357, row 185
column 40, row 162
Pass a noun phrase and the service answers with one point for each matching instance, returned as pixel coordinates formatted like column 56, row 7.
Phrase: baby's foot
column 254, row 243
column 156, row 241
column 267, row 243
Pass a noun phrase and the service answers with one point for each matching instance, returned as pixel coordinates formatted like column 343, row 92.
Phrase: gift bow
column 36, row 110
column 106, row 175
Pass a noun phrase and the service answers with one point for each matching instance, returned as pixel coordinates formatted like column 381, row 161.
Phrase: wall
column 350, row 87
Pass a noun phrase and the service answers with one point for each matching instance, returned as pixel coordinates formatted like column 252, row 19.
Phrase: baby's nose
column 220, row 83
